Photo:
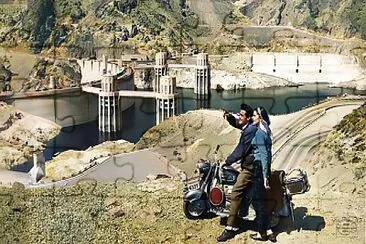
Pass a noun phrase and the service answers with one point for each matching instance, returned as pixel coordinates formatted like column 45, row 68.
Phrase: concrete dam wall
column 306, row 67
column 66, row 109
column 74, row 108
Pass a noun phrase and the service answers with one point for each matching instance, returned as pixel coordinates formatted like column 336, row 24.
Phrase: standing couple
column 254, row 151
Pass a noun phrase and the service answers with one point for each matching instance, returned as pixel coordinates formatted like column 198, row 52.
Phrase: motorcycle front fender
column 194, row 195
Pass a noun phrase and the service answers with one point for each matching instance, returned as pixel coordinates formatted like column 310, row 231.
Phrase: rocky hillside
column 85, row 28
column 66, row 73
column 186, row 138
column 342, row 18
column 345, row 149
column 21, row 135
column 72, row 162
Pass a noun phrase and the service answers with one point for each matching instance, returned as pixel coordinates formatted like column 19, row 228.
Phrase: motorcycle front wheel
column 195, row 209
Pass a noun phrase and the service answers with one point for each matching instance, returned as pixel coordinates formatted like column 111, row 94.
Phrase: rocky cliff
column 84, row 28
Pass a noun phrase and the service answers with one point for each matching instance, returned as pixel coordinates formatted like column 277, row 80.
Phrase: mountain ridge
column 84, row 28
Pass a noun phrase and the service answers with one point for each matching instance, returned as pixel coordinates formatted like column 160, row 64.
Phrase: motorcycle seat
column 230, row 168
column 229, row 175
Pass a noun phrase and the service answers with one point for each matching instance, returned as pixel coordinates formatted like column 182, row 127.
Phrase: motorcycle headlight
column 203, row 167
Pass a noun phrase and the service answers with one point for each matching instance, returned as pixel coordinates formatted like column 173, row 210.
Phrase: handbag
column 296, row 182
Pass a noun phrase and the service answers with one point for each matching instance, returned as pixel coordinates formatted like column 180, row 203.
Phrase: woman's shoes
column 259, row 237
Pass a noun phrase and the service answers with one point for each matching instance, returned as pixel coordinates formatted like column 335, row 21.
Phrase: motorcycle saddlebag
column 296, row 182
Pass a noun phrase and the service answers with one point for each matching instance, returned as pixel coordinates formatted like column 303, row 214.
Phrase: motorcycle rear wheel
column 195, row 209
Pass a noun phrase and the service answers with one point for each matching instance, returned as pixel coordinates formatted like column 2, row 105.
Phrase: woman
column 262, row 144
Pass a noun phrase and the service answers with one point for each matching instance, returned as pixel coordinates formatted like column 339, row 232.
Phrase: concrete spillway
column 306, row 67
column 92, row 70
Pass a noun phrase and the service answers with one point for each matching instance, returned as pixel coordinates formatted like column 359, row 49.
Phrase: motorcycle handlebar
column 217, row 149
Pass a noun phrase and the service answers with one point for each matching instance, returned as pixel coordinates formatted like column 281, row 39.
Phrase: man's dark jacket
column 244, row 148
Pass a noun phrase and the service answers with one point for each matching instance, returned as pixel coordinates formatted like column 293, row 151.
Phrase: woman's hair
column 262, row 112
column 265, row 122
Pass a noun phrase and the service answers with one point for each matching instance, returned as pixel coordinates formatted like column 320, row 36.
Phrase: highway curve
column 134, row 166
column 305, row 132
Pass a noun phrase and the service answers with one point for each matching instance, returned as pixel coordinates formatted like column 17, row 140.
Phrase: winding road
column 134, row 166
column 306, row 129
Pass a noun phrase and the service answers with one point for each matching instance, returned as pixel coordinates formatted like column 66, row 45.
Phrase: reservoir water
column 141, row 116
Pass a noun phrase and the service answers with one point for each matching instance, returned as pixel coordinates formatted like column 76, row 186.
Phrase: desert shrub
column 362, row 23
column 355, row 13
column 310, row 23
column 360, row 172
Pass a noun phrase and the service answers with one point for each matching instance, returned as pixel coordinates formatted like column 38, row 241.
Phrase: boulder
column 116, row 212
column 125, row 6
column 5, row 75
column 113, row 208
column 61, row 34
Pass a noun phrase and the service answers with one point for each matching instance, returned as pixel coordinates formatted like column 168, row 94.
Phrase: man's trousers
column 238, row 194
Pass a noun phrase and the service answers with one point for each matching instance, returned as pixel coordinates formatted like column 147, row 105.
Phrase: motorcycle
column 210, row 191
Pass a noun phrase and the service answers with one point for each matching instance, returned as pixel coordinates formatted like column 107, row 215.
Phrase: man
column 242, row 152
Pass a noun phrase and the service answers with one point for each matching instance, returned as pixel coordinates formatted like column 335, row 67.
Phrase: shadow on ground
column 301, row 221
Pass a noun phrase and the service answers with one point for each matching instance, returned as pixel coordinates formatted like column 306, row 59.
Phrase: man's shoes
column 258, row 237
column 226, row 235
